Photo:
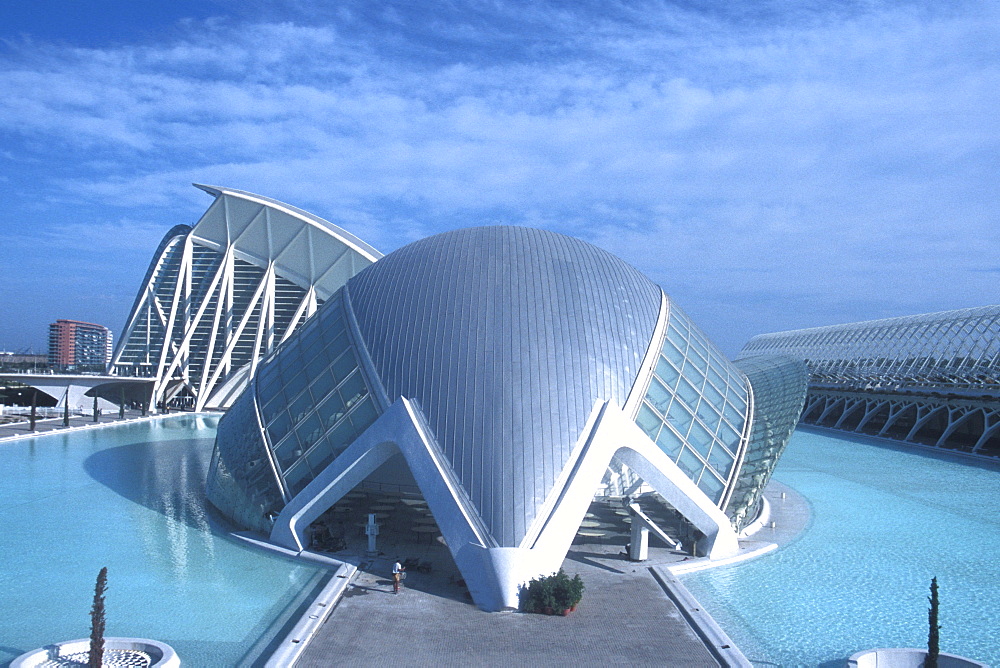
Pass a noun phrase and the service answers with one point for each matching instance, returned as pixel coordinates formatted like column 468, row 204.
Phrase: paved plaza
column 626, row 617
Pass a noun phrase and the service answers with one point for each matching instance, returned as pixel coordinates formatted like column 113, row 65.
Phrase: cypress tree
column 96, row 655
column 932, row 621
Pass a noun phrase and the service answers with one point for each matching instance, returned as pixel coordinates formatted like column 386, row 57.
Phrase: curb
column 720, row 645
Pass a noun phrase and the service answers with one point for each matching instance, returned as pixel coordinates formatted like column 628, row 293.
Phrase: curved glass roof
column 951, row 348
column 695, row 407
column 506, row 336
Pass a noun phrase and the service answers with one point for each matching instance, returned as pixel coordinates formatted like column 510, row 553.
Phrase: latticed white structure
column 219, row 296
column 932, row 379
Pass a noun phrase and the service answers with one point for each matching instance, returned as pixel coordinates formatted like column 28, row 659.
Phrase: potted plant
column 552, row 594
column 98, row 649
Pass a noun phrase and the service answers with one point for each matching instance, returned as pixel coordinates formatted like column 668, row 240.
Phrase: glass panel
column 342, row 436
column 308, row 331
column 658, row 396
column 713, row 395
column 697, row 360
column 310, row 431
column 331, row 312
column 298, row 478
column 673, row 353
column 721, row 461
column 669, row 442
column 335, row 330
column 700, row 439
column 338, row 344
column 271, row 410
column 677, row 339
column 648, row 421
column 317, row 366
column 697, row 344
column 692, row 373
column 687, row 392
column 734, row 416
column 712, row 486
column 300, row 406
column 321, row 387
column 313, row 348
column 679, row 417
column 279, row 427
column 667, row 372
column 719, row 381
column 344, row 365
column 709, row 415
column 690, row 464
column 352, row 390
column 729, row 437
column 363, row 415
column 320, row 456
column 287, row 452
column 331, row 410
column 289, row 361
column 738, row 398
column 268, row 387
column 295, row 385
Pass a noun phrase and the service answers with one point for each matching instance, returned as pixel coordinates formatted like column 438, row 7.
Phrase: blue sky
column 773, row 165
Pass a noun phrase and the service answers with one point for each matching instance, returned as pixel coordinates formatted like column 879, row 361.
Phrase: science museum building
column 504, row 375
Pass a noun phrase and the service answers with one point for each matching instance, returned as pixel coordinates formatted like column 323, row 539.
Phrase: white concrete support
column 850, row 407
column 492, row 572
column 956, row 416
column 924, row 413
column 199, row 325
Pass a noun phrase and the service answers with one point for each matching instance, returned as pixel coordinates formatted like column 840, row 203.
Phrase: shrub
column 557, row 591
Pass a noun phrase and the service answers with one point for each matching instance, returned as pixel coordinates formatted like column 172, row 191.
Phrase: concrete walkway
column 13, row 430
column 625, row 617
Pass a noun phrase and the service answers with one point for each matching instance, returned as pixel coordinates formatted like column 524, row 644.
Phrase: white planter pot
column 907, row 658
column 117, row 652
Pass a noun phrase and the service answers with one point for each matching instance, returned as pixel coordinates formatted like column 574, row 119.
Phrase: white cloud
column 796, row 155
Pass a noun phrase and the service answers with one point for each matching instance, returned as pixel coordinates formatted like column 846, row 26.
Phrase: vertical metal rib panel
column 506, row 336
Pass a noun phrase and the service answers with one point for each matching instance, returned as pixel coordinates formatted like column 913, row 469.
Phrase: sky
column 773, row 165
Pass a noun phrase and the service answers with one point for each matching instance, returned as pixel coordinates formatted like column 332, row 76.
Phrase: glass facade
column 779, row 391
column 241, row 481
column 314, row 400
column 696, row 406
column 958, row 349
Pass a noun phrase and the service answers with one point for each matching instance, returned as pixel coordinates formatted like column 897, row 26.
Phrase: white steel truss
column 218, row 297
column 951, row 349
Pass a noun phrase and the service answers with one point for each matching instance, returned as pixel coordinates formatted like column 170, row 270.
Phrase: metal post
column 34, row 408
column 372, row 530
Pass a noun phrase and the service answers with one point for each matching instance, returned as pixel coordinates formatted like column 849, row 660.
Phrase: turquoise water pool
column 131, row 497
column 885, row 519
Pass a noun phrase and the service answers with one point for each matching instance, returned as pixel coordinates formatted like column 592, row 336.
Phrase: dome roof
column 505, row 336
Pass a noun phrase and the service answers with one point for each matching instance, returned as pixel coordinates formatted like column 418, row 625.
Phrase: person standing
column 397, row 576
